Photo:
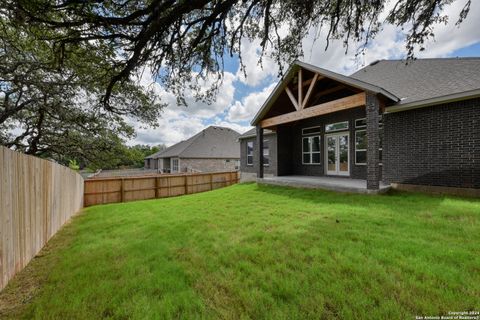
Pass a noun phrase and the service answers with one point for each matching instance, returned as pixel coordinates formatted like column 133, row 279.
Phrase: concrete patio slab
column 328, row 183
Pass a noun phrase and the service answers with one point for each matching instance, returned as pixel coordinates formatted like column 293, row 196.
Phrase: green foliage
column 258, row 252
column 184, row 42
column 118, row 155
column 70, row 69
column 72, row 164
column 52, row 108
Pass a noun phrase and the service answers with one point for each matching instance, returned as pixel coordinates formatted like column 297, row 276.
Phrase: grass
column 258, row 252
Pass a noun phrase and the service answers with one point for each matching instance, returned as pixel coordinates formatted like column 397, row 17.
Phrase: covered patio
column 327, row 183
column 328, row 130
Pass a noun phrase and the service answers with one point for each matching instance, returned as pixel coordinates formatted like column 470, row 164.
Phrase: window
column 361, row 146
column 174, row 165
column 311, row 130
column 336, row 126
column 250, row 153
column 266, row 153
column 362, row 123
column 311, row 150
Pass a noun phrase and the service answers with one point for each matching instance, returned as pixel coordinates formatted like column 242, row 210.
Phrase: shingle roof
column 423, row 79
column 212, row 142
column 253, row 133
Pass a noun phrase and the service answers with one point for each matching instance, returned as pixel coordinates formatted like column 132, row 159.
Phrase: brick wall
column 207, row 165
column 286, row 157
column 437, row 145
column 272, row 167
column 356, row 171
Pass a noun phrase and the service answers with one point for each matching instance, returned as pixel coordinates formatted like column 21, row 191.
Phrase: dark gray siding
column 438, row 145
column 356, row 171
column 272, row 167
column 286, row 153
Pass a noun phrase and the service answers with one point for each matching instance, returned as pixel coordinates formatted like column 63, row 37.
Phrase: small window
column 266, row 153
column 336, row 126
column 174, row 165
column 311, row 150
column 361, row 146
column 250, row 153
column 362, row 123
column 311, row 130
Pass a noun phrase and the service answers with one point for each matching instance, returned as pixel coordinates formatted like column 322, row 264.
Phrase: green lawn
column 258, row 252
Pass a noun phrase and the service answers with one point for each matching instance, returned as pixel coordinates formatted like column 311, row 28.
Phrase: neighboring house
column 403, row 124
column 213, row 149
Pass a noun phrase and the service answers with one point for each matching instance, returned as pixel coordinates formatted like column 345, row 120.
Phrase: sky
column 241, row 97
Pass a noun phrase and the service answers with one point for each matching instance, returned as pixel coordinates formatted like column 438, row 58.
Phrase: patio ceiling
column 308, row 91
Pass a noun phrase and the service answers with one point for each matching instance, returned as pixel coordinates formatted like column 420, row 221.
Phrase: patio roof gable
column 299, row 94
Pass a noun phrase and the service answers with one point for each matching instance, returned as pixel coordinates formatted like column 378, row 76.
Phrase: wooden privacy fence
column 111, row 190
column 36, row 198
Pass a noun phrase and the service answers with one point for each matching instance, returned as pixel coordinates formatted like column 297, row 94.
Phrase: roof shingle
column 422, row 79
column 212, row 142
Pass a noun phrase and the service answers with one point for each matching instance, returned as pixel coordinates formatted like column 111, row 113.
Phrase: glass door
column 337, row 154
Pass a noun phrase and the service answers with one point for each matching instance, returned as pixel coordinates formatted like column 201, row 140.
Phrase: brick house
column 212, row 149
column 415, row 124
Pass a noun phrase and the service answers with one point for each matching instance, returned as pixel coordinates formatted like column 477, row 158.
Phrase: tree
column 52, row 110
column 185, row 41
column 69, row 68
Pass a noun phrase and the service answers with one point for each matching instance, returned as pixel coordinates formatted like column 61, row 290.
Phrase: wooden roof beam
column 310, row 89
column 309, row 81
column 292, row 98
column 349, row 102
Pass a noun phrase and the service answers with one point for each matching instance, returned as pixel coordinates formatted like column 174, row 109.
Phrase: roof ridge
column 407, row 61
column 191, row 140
column 182, row 141
column 438, row 58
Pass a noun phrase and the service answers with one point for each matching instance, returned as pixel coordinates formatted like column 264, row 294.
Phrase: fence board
column 113, row 190
column 36, row 198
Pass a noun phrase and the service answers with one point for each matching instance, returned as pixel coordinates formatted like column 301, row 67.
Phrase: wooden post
column 300, row 88
column 211, row 181
column 156, row 187
column 122, row 191
column 186, row 184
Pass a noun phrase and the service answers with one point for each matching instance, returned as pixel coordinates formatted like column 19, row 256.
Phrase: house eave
column 346, row 80
column 434, row 101
column 254, row 135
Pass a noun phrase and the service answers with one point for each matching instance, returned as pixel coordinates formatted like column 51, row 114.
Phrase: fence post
column 122, row 190
column 186, row 184
column 156, row 187
column 211, row 181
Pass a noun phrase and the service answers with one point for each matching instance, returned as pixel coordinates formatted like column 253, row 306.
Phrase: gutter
column 434, row 101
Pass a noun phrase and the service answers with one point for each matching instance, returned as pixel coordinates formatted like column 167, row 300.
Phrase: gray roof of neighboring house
column 212, row 142
column 420, row 80
column 253, row 133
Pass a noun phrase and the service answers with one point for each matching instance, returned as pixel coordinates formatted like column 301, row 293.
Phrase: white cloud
column 256, row 73
column 390, row 43
column 245, row 110
column 179, row 123
column 450, row 37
